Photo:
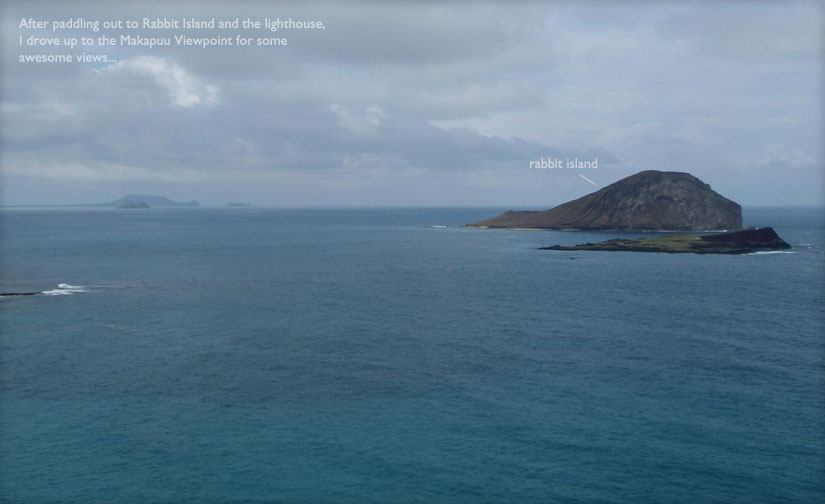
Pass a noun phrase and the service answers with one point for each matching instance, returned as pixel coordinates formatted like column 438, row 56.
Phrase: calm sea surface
column 259, row 355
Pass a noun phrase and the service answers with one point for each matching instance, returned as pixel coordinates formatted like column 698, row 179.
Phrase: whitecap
column 765, row 252
column 64, row 289
column 58, row 292
column 439, row 227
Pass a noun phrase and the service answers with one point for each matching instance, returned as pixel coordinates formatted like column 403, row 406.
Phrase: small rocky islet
column 745, row 241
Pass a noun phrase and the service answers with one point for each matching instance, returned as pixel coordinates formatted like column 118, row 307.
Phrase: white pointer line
column 587, row 179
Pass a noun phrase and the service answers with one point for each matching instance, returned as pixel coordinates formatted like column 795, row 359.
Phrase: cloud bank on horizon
column 425, row 104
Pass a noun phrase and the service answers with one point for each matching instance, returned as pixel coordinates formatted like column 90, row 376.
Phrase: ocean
column 209, row 355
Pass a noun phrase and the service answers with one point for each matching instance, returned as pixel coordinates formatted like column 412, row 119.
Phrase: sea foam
column 64, row 289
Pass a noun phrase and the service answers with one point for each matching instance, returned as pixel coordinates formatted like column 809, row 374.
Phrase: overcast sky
column 424, row 104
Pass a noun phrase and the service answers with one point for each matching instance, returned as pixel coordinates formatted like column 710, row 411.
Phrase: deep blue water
column 261, row 355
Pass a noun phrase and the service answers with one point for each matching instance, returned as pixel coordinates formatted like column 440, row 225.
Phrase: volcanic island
column 651, row 200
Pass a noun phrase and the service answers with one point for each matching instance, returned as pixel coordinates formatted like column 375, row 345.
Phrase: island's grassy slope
column 738, row 242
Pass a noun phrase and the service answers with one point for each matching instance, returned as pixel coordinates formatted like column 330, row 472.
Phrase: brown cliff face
column 648, row 200
column 763, row 238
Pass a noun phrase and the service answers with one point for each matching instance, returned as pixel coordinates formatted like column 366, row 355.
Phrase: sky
column 420, row 104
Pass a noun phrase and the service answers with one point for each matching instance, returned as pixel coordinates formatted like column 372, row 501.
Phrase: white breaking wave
column 64, row 290
column 772, row 252
column 57, row 292
column 440, row 227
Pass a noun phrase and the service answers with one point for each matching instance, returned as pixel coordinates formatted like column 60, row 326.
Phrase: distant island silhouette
column 133, row 204
column 130, row 200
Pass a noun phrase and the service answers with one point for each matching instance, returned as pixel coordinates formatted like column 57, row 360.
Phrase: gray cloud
column 400, row 95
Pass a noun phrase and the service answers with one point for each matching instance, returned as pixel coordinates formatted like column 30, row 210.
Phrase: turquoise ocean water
column 262, row 355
